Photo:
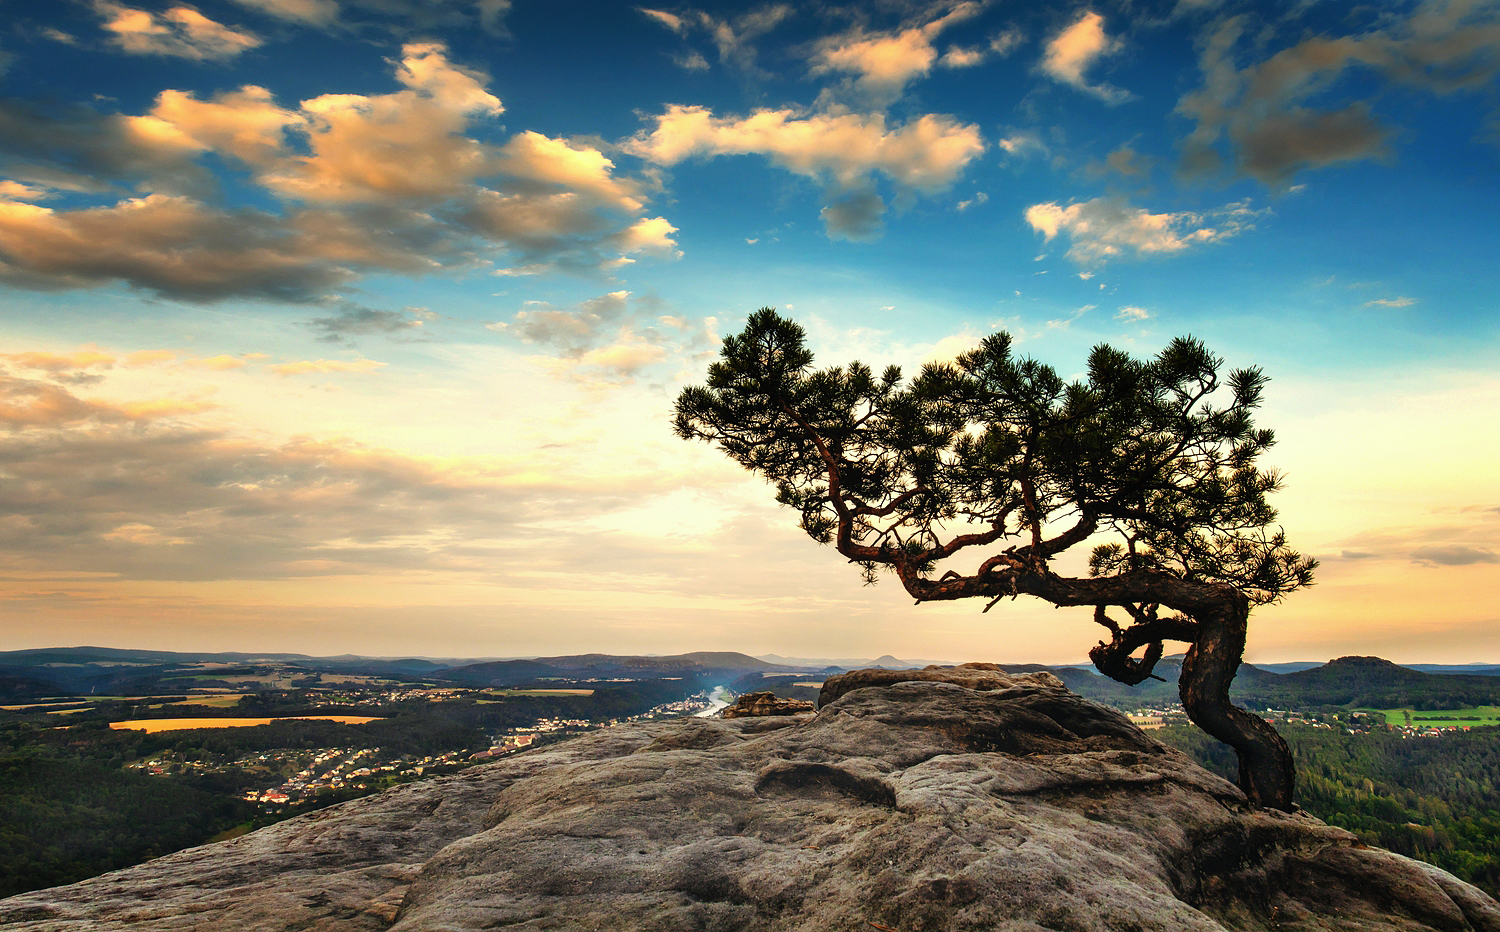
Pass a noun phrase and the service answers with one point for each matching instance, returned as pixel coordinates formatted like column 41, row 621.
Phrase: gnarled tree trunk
column 1266, row 765
column 1215, row 626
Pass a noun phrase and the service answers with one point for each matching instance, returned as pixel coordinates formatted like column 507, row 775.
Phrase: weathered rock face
column 759, row 705
column 910, row 806
column 977, row 676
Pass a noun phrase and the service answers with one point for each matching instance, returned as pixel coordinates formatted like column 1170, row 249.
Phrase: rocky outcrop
column 917, row 805
column 762, row 704
column 977, row 676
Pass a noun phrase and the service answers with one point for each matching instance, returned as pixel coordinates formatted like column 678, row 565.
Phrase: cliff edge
column 1007, row 803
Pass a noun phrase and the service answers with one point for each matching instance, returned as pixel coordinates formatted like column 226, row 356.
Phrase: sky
column 355, row 325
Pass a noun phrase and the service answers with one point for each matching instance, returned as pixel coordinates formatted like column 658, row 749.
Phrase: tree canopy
column 1153, row 463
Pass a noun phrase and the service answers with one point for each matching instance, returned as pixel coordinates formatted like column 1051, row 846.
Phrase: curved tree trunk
column 1266, row 765
column 1216, row 636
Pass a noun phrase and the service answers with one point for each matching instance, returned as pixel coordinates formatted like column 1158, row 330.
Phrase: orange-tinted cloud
column 395, row 182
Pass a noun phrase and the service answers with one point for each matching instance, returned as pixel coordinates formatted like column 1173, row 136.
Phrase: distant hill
column 699, row 661
column 25, row 687
column 1353, row 682
column 1347, row 681
column 499, row 673
column 1371, row 682
column 1291, row 666
column 1448, row 669
column 887, row 662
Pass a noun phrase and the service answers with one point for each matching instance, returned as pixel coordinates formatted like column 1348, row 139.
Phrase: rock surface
column 759, row 705
column 978, row 676
column 908, row 806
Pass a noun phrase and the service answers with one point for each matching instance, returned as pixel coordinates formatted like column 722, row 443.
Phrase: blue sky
column 355, row 324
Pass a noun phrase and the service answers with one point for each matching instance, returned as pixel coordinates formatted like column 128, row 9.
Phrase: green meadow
column 1440, row 718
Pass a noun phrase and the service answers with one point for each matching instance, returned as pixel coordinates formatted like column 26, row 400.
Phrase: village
column 287, row 777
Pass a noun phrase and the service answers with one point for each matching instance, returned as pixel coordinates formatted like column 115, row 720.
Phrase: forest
column 75, row 802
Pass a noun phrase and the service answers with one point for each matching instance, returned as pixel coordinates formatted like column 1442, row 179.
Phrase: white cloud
column 1022, row 144
column 1130, row 314
column 950, row 347
column 171, row 245
column 59, row 363
column 220, row 363
column 625, row 358
column 651, row 236
column 960, row 57
column 613, row 336
column 1391, row 302
column 16, row 191
column 842, row 150
column 402, row 146
column 734, row 38
column 534, row 157
column 1107, row 228
column 180, row 31
column 246, row 124
column 883, row 63
column 1006, row 42
column 927, row 153
column 1075, row 50
column 571, row 332
column 1063, row 323
column 669, row 20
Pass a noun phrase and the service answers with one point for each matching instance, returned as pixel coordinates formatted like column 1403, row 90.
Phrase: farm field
column 154, row 725
column 1440, row 718
column 214, row 702
column 539, row 692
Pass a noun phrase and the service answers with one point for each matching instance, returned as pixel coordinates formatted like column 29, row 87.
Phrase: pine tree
column 999, row 455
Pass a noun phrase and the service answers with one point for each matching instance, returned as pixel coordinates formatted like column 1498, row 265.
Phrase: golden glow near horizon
column 609, row 534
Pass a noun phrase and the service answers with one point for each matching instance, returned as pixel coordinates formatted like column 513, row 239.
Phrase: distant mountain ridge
column 1354, row 681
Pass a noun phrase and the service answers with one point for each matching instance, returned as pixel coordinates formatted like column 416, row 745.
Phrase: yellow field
column 214, row 702
column 539, row 692
column 153, row 725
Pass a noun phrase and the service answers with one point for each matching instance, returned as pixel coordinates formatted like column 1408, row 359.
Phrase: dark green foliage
column 65, row 819
column 1433, row 798
column 1004, row 444
column 69, row 809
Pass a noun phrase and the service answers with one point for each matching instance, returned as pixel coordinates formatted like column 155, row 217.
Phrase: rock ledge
column 910, row 805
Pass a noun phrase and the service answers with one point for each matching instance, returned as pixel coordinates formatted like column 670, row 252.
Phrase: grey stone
column 907, row 805
column 753, row 705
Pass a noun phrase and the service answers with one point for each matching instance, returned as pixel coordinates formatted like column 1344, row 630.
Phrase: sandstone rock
column 754, row 705
column 917, row 805
column 980, row 676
